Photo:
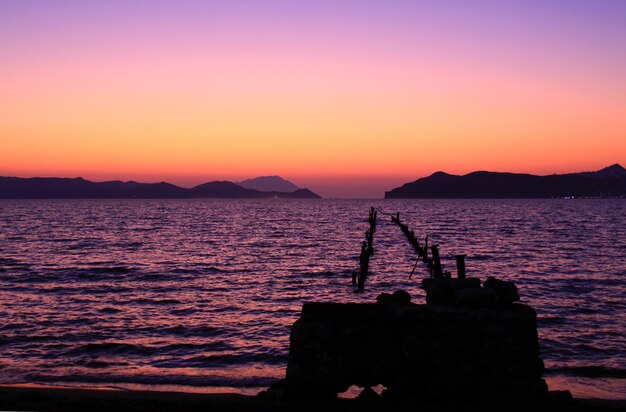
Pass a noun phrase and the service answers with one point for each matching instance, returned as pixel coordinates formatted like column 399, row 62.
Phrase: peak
column 440, row 173
column 269, row 184
column 615, row 170
column 266, row 178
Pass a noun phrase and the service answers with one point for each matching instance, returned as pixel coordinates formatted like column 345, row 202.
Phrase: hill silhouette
column 608, row 182
column 75, row 188
column 269, row 184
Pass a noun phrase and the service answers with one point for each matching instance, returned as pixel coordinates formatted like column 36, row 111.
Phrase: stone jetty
column 470, row 344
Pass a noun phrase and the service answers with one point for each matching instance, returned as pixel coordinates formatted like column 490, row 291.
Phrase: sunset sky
column 348, row 98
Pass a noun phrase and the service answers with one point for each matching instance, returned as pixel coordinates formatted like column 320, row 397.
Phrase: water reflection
column 202, row 292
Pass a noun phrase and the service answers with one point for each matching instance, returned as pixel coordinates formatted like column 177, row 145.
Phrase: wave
column 589, row 371
column 584, row 310
column 184, row 311
column 193, row 331
column 109, row 310
column 551, row 320
column 10, row 261
column 165, row 301
column 24, row 274
column 117, row 348
column 322, row 274
column 111, row 269
column 80, row 272
column 100, row 263
column 198, row 270
column 85, row 245
column 94, row 350
column 212, row 346
column 92, row 363
column 17, row 325
column 212, row 361
column 160, row 379
column 590, row 348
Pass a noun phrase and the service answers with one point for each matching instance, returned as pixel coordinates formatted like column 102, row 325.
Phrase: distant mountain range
column 269, row 184
column 67, row 188
column 608, row 182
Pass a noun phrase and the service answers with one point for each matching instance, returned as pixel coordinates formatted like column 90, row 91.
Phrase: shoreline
column 578, row 386
column 45, row 398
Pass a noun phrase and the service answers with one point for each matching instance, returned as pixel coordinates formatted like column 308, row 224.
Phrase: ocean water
column 199, row 294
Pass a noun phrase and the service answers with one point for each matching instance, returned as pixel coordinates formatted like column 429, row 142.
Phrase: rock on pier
column 432, row 352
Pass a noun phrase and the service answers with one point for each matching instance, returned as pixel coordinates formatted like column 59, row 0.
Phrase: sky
column 347, row 98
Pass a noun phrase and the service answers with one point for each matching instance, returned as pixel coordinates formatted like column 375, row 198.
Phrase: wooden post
column 369, row 236
column 367, row 250
column 438, row 271
column 364, row 252
column 460, row 266
column 364, row 264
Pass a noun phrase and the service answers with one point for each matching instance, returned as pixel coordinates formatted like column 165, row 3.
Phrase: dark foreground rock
column 429, row 353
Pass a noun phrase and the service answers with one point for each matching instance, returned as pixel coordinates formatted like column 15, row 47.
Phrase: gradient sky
column 348, row 98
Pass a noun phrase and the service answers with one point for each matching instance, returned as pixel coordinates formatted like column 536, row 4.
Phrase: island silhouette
column 607, row 182
column 269, row 184
column 75, row 188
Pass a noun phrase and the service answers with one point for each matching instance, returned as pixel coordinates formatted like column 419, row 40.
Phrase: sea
column 199, row 295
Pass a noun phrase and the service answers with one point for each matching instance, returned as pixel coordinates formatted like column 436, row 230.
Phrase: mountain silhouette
column 608, row 182
column 269, row 184
column 615, row 170
column 74, row 188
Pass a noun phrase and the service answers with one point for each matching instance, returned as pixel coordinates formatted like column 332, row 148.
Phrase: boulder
column 505, row 292
column 399, row 297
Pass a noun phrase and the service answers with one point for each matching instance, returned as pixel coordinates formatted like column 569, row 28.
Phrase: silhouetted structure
column 468, row 344
column 431, row 353
column 367, row 249
column 460, row 266
column 437, row 269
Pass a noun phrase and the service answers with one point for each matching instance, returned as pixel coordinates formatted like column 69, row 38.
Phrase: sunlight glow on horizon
column 311, row 89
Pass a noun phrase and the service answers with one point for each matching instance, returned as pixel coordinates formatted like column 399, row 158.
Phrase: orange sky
column 309, row 100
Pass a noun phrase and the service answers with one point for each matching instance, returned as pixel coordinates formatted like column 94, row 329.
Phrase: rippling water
column 201, row 293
